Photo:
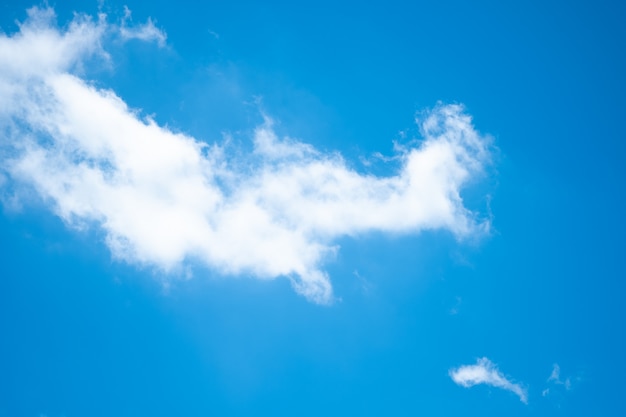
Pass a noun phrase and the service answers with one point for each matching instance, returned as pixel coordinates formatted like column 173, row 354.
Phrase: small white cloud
column 555, row 377
column 486, row 372
column 145, row 32
column 162, row 198
column 556, row 372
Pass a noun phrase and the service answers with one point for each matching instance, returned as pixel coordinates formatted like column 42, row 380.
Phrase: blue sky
column 312, row 209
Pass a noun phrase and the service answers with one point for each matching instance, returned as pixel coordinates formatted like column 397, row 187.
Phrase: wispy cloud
column 162, row 198
column 144, row 32
column 486, row 372
column 555, row 379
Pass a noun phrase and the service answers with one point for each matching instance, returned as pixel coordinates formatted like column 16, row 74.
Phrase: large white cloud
column 486, row 372
column 162, row 198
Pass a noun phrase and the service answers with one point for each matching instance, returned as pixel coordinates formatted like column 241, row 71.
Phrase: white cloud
column 486, row 372
column 162, row 198
column 555, row 377
column 39, row 49
column 145, row 32
column 555, row 374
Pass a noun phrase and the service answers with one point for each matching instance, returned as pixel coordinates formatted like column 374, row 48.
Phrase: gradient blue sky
column 425, row 319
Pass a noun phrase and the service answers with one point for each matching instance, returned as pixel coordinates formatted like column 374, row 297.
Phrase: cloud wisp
column 145, row 32
column 486, row 372
column 556, row 380
column 555, row 377
column 163, row 198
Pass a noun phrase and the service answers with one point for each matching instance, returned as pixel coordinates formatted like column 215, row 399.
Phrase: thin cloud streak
column 162, row 198
column 486, row 372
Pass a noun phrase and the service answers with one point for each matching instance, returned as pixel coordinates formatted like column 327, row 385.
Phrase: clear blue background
column 82, row 335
